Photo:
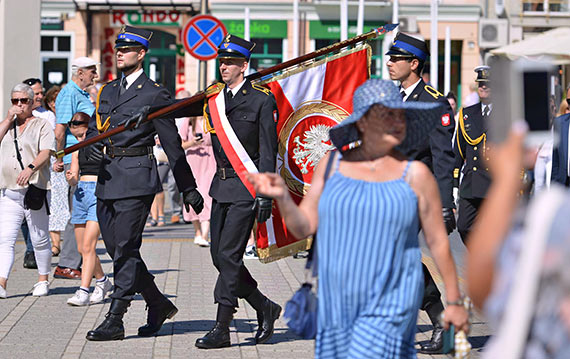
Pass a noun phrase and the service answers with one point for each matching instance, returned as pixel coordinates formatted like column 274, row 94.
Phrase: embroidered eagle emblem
column 313, row 147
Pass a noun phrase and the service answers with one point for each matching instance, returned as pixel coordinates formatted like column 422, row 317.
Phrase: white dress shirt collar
column 133, row 77
column 237, row 88
column 409, row 90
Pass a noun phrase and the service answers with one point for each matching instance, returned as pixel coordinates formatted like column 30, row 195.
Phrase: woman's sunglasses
column 78, row 123
column 20, row 100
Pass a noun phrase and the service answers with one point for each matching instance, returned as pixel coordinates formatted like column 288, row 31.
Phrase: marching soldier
column 406, row 62
column 470, row 148
column 242, row 119
column 128, row 180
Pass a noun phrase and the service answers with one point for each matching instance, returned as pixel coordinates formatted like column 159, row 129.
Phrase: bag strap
column 18, row 155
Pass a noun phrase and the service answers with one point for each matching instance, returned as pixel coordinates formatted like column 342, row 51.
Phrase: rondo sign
column 202, row 35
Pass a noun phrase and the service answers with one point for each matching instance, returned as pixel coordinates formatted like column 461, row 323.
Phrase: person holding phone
column 470, row 147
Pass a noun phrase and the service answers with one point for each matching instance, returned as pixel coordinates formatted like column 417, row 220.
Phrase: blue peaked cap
column 408, row 46
column 130, row 36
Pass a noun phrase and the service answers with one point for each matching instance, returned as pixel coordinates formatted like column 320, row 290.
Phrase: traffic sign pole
column 202, row 67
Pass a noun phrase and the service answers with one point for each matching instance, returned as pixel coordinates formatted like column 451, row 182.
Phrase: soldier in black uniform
column 128, row 180
column 251, row 111
column 407, row 59
column 470, row 147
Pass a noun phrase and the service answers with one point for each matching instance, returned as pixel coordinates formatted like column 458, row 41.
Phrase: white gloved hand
column 456, row 196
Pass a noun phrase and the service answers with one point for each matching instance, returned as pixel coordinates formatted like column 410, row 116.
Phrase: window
column 56, row 54
column 541, row 5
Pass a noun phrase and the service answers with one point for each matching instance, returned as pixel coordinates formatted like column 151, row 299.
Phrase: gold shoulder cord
column 207, row 127
column 469, row 140
column 435, row 93
column 102, row 127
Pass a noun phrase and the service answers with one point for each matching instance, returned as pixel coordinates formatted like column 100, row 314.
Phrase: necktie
column 403, row 94
column 486, row 111
column 230, row 94
column 123, row 86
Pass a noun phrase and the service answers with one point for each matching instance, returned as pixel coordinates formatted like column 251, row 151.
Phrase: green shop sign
column 261, row 29
column 330, row 29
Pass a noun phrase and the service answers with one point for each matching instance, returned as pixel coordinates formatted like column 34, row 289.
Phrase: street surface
column 47, row 327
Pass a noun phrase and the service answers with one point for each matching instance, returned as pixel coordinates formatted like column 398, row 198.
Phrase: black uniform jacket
column 470, row 146
column 252, row 113
column 436, row 151
column 122, row 177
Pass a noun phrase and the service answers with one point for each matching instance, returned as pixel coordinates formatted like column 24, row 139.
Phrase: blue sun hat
column 421, row 117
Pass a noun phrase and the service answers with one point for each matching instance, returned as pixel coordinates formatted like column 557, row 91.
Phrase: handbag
column 35, row 197
column 301, row 310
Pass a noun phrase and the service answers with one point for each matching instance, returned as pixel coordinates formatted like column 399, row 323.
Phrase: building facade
column 88, row 28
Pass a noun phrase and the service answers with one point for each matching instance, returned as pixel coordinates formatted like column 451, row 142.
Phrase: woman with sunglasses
column 35, row 140
column 83, row 174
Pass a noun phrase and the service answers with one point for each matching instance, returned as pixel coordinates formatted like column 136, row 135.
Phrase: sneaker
column 3, row 294
column 41, row 289
column 79, row 299
column 101, row 291
column 250, row 253
column 201, row 241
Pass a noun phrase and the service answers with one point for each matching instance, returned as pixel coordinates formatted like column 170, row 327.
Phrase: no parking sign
column 202, row 35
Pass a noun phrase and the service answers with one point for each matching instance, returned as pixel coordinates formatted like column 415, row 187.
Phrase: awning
column 551, row 45
column 95, row 5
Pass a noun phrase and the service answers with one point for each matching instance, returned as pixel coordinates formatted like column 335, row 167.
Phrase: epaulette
column 435, row 93
column 265, row 90
column 214, row 89
column 208, row 128
column 154, row 83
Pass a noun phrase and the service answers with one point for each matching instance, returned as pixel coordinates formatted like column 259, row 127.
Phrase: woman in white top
column 35, row 140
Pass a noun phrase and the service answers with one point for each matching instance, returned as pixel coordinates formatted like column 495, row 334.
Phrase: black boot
column 267, row 313
column 159, row 309
column 112, row 327
column 435, row 345
column 219, row 336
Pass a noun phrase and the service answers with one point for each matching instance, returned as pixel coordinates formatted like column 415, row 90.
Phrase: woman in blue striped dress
column 367, row 218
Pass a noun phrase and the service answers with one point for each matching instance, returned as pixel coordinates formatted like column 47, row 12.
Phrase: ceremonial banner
column 311, row 99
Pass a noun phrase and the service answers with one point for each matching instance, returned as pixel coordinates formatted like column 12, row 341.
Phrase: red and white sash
column 234, row 150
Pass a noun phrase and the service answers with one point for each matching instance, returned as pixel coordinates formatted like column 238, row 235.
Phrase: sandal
column 151, row 222
column 55, row 250
column 161, row 221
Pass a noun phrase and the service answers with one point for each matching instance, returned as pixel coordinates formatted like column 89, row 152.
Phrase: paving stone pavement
column 47, row 327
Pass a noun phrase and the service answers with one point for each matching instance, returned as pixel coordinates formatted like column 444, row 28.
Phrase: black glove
column 193, row 198
column 94, row 152
column 263, row 206
column 448, row 219
column 138, row 117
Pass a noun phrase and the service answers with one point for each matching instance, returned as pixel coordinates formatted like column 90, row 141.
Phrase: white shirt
column 409, row 90
column 483, row 108
column 133, row 77
column 236, row 89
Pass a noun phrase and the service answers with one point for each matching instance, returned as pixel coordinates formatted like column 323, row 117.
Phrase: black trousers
column 122, row 222
column 467, row 212
column 431, row 302
column 231, row 224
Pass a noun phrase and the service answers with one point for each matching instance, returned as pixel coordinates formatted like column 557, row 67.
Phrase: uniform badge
column 445, row 120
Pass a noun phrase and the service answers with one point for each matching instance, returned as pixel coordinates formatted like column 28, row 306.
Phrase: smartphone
column 520, row 90
column 449, row 339
column 199, row 136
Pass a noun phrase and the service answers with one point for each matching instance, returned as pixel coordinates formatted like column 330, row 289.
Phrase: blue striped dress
column 370, row 276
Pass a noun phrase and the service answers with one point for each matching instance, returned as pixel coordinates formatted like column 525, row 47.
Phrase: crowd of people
column 407, row 160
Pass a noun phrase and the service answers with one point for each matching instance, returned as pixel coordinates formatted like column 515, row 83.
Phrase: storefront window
column 268, row 36
column 267, row 53
column 56, row 57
